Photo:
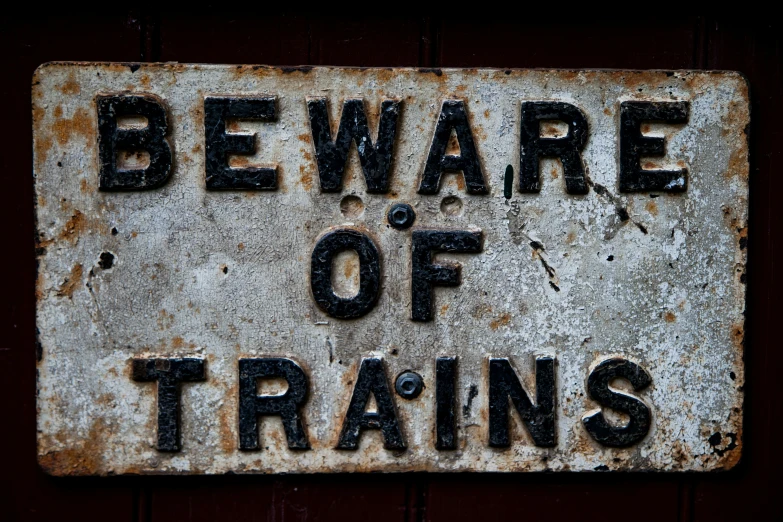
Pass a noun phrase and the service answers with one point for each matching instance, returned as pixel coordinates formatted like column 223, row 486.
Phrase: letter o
column 329, row 246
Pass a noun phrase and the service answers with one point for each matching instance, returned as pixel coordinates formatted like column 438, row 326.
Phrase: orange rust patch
column 177, row 342
column 70, row 87
column 502, row 320
column 74, row 226
column 608, row 111
column 38, row 114
column 461, row 181
column 241, row 247
column 226, row 420
column 738, row 165
column 42, row 146
column 349, row 269
column 85, row 459
column 80, row 124
column 165, row 320
column 669, row 317
column 239, row 161
column 738, row 335
column 652, row 208
column 444, row 309
column 196, row 149
column 486, row 113
column 58, row 111
column 69, row 285
column 83, row 187
column 306, row 178
column 570, row 238
column 554, row 174
column 304, row 137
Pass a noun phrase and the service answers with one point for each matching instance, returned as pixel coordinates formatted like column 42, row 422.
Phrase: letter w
column 331, row 155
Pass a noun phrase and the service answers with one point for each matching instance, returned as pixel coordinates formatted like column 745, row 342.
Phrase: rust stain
column 444, row 309
column 227, row 420
column 652, row 208
column 84, row 459
column 177, row 342
column 306, row 177
column 83, row 186
column 71, row 86
column 69, row 285
column 738, row 164
column 738, row 335
column 571, row 237
column 554, row 174
column 165, row 320
column 349, row 269
column 502, row 320
column 81, row 124
column 43, row 142
column 239, row 161
column 241, row 247
column 669, row 317
column 74, row 226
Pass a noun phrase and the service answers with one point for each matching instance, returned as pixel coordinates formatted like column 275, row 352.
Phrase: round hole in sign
column 451, row 206
column 351, row 206
column 409, row 385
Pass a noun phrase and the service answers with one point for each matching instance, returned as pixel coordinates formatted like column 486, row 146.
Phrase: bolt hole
column 451, row 206
column 106, row 260
column 351, row 206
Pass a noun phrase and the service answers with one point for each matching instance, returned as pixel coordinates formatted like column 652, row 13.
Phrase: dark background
column 752, row 491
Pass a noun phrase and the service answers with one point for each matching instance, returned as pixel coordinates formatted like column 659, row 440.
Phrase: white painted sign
column 253, row 269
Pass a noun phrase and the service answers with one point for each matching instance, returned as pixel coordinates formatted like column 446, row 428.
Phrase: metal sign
column 253, row 269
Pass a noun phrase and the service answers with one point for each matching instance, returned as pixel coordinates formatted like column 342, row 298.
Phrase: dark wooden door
column 753, row 46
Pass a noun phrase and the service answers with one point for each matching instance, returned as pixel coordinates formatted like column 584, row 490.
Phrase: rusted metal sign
column 253, row 269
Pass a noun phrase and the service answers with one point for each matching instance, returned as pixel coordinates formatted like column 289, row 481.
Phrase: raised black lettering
column 220, row 145
column 371, row 380
column 331, row 155
column 445, row 403
column 113, row 139
column 325, row 250
column 598, row 388
column 634, row 146
column 539, row 419
column 425, row 274
column 453, row 116
column 286, row 405
column 567, row 148
column 169, row 374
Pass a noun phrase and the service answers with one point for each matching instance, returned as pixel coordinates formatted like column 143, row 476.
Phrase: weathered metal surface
column 573, row 288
